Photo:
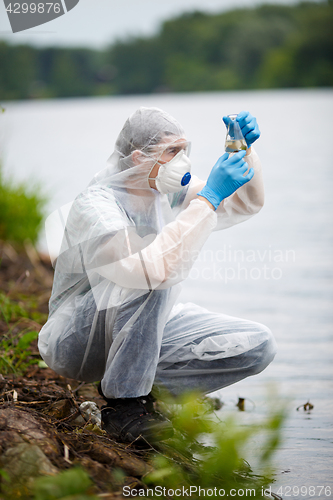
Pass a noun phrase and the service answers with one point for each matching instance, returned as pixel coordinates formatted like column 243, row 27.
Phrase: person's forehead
column 174, row 140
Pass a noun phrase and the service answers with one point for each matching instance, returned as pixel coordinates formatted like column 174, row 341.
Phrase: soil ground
column 42, row 429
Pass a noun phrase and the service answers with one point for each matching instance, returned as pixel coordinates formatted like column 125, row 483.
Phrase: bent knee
column 266, row 351
column 67, row 357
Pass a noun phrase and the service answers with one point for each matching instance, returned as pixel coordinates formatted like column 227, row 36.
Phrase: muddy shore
column 42, row 429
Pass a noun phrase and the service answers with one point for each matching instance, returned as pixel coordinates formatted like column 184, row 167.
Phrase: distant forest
column 270, row 46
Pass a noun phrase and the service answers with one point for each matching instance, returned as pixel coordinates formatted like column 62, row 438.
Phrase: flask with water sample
column 234, row 140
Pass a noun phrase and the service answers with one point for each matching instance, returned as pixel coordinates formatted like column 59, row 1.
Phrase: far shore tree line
column 270, row 46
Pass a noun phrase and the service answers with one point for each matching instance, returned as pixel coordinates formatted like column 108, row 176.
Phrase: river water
column 275, row 268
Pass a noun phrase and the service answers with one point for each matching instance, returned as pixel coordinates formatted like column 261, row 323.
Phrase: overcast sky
column 97, row 23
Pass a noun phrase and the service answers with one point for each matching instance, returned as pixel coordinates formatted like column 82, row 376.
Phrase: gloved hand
column 226, row 176
column 248, row 125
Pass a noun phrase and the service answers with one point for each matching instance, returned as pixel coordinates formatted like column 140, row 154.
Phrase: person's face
column 166, row 151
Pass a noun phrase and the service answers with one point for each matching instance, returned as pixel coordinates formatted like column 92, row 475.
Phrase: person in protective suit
column 130, row 238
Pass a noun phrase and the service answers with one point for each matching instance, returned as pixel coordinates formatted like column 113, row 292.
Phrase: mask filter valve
column 186, row 179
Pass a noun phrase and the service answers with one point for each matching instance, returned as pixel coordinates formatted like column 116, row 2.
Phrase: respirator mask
column 173, row 175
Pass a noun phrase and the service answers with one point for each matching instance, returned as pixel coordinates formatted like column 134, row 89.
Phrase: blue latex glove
column 248, row 125
column 226, row 176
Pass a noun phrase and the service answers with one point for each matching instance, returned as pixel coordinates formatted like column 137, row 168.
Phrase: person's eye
column 173, row 151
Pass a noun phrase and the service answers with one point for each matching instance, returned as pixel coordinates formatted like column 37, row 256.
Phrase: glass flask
column 234, row 140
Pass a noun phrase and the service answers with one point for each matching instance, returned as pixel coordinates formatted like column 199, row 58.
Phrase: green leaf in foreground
column 70, row 482
column 208, row 453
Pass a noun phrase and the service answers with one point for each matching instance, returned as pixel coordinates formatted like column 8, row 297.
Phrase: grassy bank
column 21, row 211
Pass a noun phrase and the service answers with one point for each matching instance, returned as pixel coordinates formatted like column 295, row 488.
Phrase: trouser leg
column 78, row 352
column 137, row 337
column 207, row 351
column 128, row 367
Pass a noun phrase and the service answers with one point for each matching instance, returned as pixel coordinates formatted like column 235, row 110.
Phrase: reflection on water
column 286, row 284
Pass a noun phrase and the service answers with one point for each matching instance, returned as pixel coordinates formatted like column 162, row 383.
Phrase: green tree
column 18, row 70
column 269, row 46
column 306, row 59
column 139, row 66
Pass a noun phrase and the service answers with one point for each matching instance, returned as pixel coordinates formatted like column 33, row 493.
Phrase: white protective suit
column 125, row 250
